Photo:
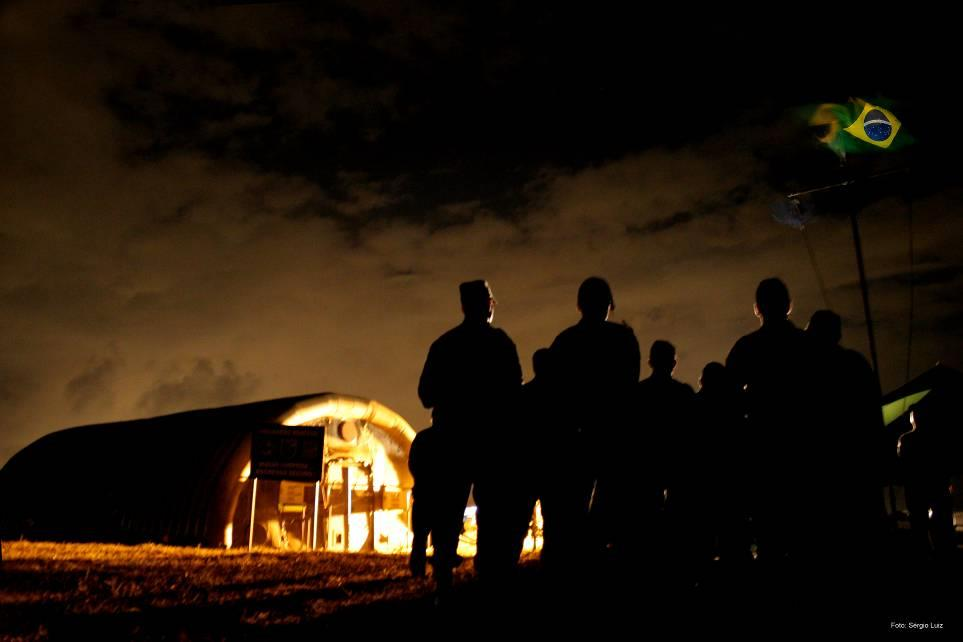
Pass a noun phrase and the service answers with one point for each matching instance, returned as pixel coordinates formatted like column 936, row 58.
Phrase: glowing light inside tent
column 347, row 408
column 366, row 447
column 533, row 539
column 350, row 424
column 468, row 542
column 389, row 516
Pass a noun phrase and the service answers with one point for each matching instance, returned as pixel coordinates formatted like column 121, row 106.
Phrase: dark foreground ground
column 107, row 592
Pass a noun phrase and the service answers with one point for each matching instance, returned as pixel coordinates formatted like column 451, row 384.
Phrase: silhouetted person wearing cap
column 851, row 458
column 597, row 366
column 774, row 368
column 665, row 408
column 470, row 380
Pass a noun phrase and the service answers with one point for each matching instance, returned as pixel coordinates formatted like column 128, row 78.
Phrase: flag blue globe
column 877, row 125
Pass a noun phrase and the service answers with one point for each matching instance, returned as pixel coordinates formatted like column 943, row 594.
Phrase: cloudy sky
column 210, row 205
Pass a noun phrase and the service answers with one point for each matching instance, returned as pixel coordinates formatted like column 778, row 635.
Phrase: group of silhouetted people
column 778, row 456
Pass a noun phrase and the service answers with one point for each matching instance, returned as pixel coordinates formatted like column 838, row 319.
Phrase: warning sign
column 296, row 493
column 287, row 453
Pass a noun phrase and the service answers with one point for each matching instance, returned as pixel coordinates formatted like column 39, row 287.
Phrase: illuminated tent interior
column 184, row 479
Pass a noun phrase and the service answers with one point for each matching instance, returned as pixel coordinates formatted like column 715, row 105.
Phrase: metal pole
column 346, row 481
column 865, row 289
column 250, row 535
column 371, row 511
column 317, row 493
column 329, row 515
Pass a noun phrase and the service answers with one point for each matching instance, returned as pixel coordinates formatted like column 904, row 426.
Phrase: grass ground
column 58, row 591
column 149, row 592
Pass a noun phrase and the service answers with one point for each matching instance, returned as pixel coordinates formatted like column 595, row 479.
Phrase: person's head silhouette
column 542, row 363
column 477, row 301
column 595, row 300
column 662, row 357
column 713, row 377
column 772, row 300
column 825, row 327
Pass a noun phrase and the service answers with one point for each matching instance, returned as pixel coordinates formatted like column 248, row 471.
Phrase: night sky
column 207, row 206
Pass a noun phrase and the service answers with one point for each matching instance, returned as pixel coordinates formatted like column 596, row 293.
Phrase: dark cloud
column 707, row 206
column 203, row 385
column 653, row 227
column 94, row 387
column 921, row 277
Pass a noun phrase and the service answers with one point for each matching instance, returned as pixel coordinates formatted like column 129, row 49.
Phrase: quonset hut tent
column 939, row 389
column 184, row 479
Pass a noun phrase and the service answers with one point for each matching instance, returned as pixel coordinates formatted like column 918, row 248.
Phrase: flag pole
column 857, row 242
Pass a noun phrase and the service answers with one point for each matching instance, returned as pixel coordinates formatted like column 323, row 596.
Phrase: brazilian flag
column 857, row 127
column 876, row 125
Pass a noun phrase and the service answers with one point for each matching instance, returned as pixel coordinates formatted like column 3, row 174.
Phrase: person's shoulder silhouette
column 774, row 362
column 544, row 369
column 473, row 366
column 660, row 383
column 845, row 379
column 596, row 354
column 666, row 405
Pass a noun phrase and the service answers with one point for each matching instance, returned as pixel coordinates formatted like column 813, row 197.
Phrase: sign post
column 317, row 494
column 250, row 535
column 346, row 483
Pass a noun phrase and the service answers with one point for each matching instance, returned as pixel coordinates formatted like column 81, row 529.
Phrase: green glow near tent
column 893, row 410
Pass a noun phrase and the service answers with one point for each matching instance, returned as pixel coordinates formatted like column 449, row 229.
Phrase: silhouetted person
column 709, row 492
column 664, row 406
column 924, row 455
column 537, row 469
column 510, row 493
column 852, row 443
column 426, row 461
column 597, row 366
column 470, row 380
column 773, row 366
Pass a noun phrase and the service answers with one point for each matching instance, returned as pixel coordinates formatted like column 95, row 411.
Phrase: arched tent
column 939, row 389
column 183, row 478
column 940, row 378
